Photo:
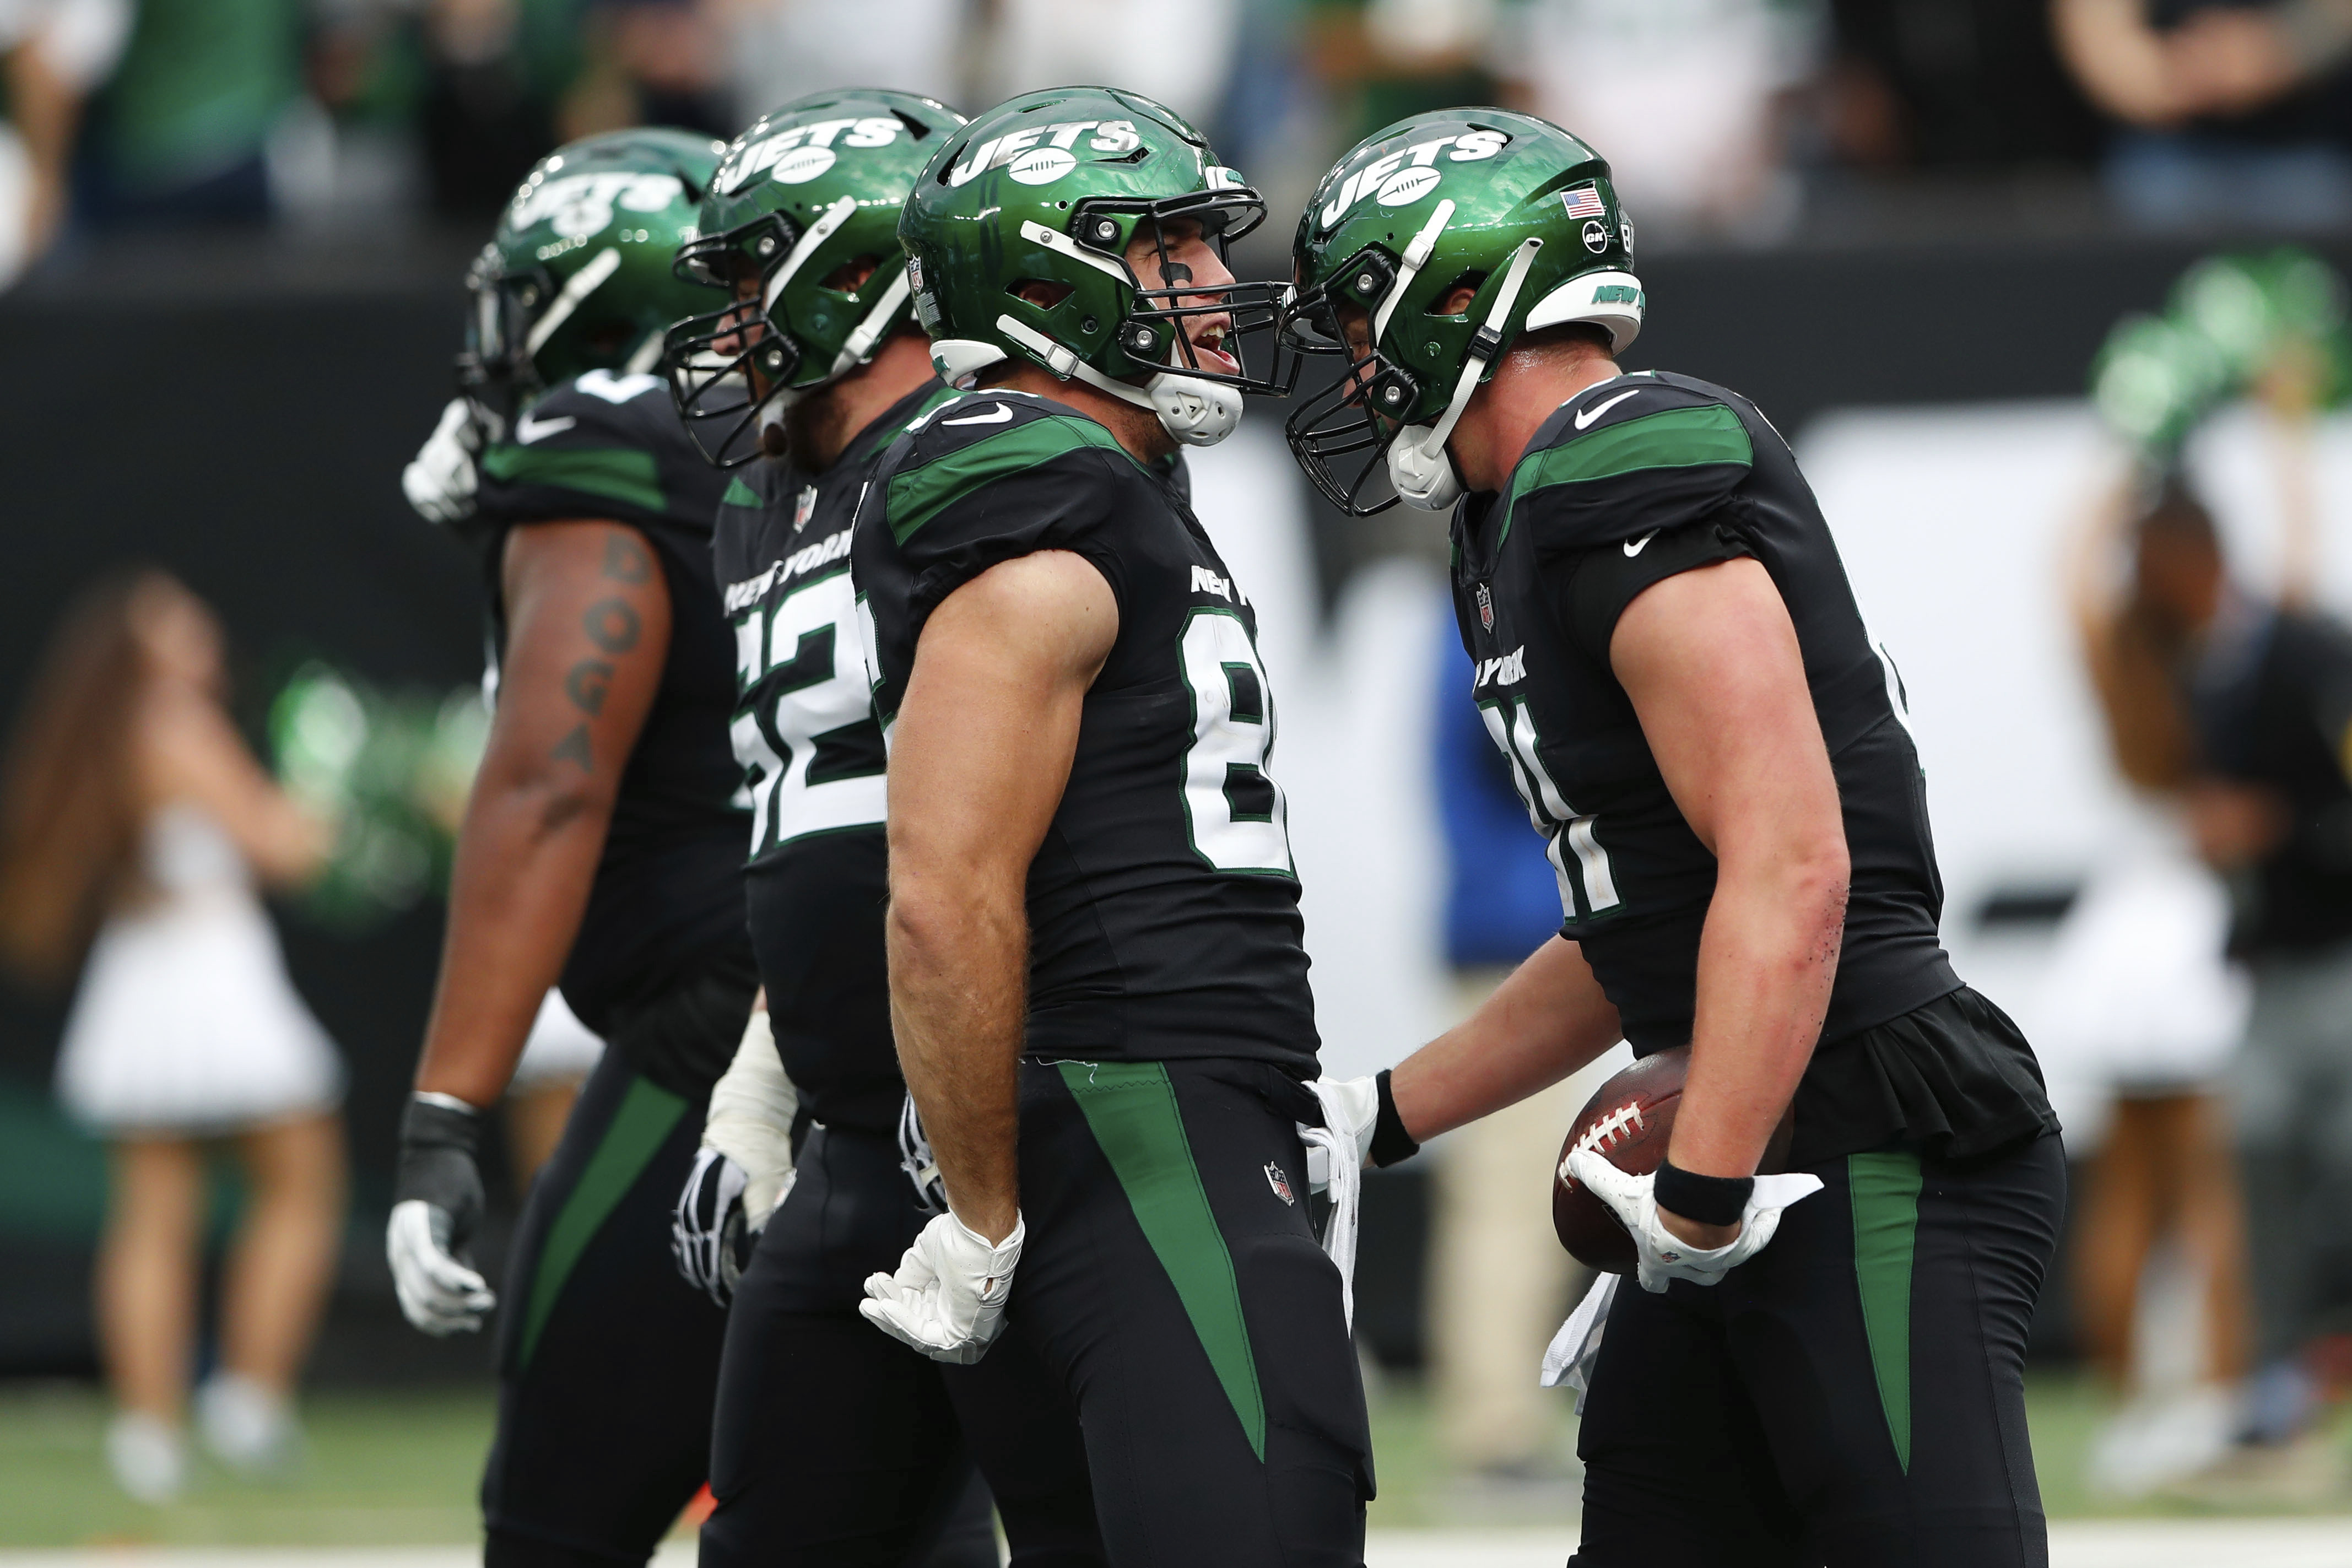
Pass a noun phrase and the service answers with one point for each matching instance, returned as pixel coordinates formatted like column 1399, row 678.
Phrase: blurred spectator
column 1384, row 59
column 1127, row 43
column 181, row 132
column 2140, row 998
column 1499, row 1278
column 2270, row 689
column 651, row 62
column 1951, row 84
column 51, row 52
column 132, row 823
column 778, row 50
column 1687, row 100
column 2237, row 111
column 496, row 71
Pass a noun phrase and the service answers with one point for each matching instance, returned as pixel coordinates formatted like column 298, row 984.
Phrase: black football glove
column 437, row 1208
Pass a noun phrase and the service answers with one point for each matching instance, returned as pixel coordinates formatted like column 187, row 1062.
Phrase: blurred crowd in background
column 1745, row 120
column 2194, row 979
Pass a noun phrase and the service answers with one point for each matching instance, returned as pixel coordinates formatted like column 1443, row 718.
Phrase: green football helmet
column 577, row 277
column 1504, row 203
column 800, row 232
column 1051, row 187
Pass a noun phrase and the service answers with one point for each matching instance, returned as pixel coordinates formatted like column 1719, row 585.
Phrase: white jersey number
column 1232, row 807
column 807, row 649
column 1513, row 728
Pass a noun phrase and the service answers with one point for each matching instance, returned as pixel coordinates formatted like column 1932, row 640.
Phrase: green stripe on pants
column 634, row 1135
column 1130, row 1108
column 1885, row 1191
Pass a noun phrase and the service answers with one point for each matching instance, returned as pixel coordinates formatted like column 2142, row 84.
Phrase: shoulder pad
column 981, row 438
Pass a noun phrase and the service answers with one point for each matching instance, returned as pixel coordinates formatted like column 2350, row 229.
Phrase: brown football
column 1629, row 1122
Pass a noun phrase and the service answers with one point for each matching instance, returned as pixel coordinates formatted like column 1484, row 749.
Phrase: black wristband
column 1710, row 1200
column 438, row 1140
column 1390, row 1141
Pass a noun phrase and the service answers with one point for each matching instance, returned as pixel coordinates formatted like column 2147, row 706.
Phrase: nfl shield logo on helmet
column 1280, row 1183
column 1486, row 608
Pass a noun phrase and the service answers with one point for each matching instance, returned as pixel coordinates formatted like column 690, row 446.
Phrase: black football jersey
column 1629, row 482
column 811, row 760
column 668, row 900
column 1163, row 904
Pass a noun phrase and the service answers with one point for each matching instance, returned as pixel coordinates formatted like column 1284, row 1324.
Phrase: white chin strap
column 1197, row 413
column 1418, row 467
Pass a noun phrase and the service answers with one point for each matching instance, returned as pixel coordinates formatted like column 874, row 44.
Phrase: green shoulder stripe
column 621, row 474
column 918, row 495
column 1670, row 439
column 739, row 493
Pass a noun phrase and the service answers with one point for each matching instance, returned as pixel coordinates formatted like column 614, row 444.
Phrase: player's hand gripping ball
column 1629, row 1122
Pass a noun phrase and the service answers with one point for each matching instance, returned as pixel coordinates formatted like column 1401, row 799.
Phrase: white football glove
column 437, row 1293
column 948, row 1298
column 1351, row 1106
column 1663, row 1255
column 441, row 480
column 744, row 1168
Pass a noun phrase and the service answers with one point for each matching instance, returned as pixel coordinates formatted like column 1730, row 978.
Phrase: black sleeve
column 587, row 458
column 1598, row 584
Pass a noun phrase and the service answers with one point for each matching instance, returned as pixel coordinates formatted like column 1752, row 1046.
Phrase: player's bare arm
column 1543, row 1023
column 978, row 762
column 587, row 633
column 1711, row 663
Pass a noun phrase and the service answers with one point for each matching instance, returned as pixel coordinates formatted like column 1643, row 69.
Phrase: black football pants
column 1851, row 1396
column 1171, row 1282
column 836, row 1445
column 607, row 1358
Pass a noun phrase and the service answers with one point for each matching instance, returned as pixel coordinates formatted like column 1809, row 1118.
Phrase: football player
column 1822, row 1364
column 601, row 846
column 833, row 1443
column 1097, row 981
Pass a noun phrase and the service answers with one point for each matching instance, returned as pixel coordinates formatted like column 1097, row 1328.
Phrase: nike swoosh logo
column 1003, row 412
column 1584, row 418
column 528, row 429
column 1635, row 546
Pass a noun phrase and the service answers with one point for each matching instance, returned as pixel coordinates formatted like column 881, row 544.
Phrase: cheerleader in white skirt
column 134, row 827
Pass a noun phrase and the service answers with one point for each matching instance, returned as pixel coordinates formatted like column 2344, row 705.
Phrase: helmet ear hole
column 1045, row 293
column 1455, row 299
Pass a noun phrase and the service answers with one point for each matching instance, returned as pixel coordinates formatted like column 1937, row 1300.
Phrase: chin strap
column 818, row 233
column 581, row 284
column 860, row 346
column 1197, row 413
column 1416, row 257
column 1420, row 469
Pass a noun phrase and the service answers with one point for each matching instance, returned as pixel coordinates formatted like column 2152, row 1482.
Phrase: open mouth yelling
column 1207, row 338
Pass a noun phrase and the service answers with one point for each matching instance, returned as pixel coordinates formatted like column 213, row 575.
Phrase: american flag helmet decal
column 1583, row 201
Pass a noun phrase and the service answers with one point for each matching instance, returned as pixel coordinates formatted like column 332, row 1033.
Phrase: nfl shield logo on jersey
column 1279, row 1183
column 807, row 505
column 1486, row 608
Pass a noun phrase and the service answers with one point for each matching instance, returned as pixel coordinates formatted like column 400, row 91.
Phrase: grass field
column 389, row 1469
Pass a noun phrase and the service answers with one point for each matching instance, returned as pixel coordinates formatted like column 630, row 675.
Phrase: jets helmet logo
column 1042, row 154
column 1400, row 178
column 800, row 154
column 577, row 206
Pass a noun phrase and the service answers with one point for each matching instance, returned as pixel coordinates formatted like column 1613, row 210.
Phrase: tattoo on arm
column 575, row 747
column 612, row 626
column 586, row 685
column 626, row 560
